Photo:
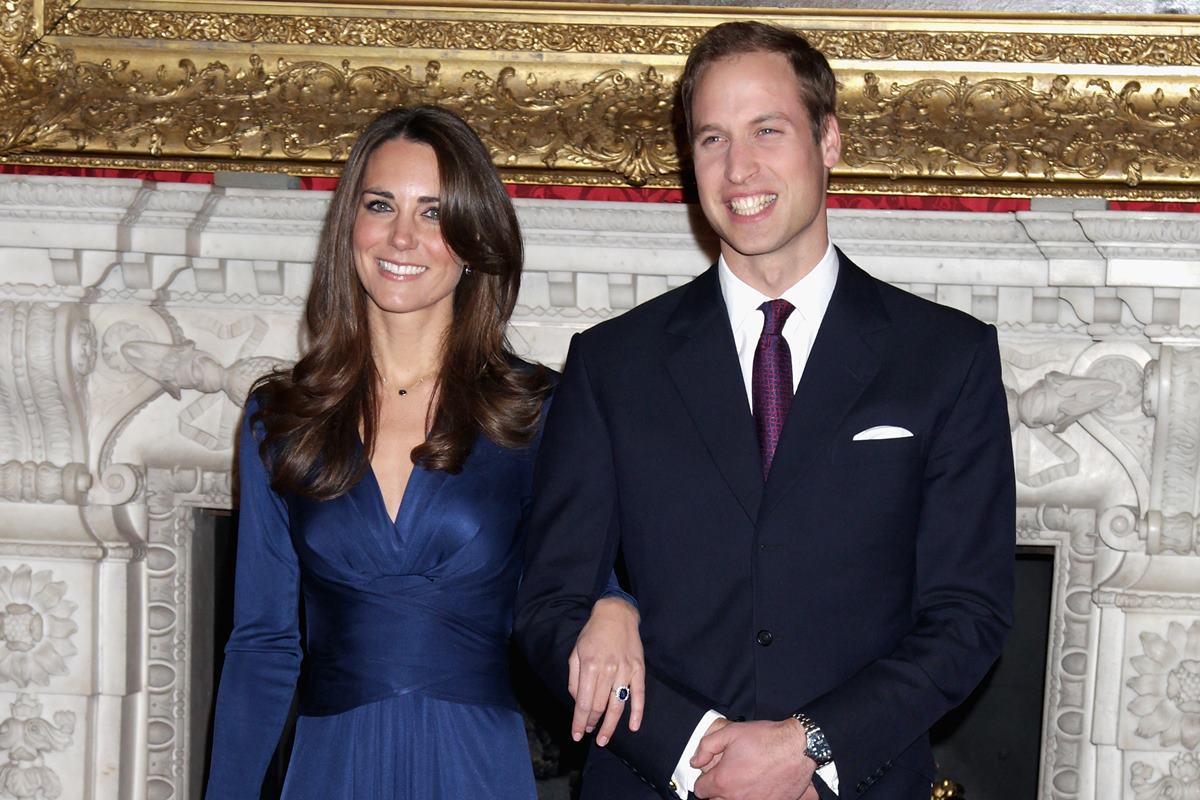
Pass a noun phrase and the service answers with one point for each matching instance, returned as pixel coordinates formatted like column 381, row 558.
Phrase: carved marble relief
column 1168, row 686
column 1180, row 782
column 139, row 333
column 43, row 401
column 35, row 626
column 26, row 738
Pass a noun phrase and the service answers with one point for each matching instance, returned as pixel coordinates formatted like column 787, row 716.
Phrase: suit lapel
column 706, row 372
column 842, row 363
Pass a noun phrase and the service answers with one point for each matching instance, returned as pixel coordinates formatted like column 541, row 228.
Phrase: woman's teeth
column 401, row 269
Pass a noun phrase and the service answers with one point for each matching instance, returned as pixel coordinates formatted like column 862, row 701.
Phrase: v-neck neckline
column 403, row 495
column 379, row 488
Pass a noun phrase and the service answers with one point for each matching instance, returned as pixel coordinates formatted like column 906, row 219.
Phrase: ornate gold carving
column 660, row 40
column 1001, row 127
column 584, row 96
column 421, row 34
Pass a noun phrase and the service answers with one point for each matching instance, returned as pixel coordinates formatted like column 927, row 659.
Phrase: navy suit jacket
column 867, row 583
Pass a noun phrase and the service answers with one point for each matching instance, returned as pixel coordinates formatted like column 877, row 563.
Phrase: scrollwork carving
column 1118, row 528
column 1182, row 781
column 28, row 737
column 565, row 37
column 41, row 414
column 1085, row 128
column 586, row 116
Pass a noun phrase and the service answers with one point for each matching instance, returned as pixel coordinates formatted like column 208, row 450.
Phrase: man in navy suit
column 806, row 473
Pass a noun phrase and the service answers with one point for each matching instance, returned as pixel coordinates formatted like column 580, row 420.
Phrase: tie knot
column 776, row 313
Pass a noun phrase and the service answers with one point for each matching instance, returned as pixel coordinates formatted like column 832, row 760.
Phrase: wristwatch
column 817, row 746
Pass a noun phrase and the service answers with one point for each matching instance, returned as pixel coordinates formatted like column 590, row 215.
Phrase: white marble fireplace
column 133, row 317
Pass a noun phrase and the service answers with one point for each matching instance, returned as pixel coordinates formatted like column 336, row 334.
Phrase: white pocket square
column 882, row 432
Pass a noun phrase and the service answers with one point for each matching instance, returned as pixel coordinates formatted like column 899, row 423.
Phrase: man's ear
column 831, row 142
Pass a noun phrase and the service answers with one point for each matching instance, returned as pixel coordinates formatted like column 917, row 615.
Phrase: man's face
column 760, row 174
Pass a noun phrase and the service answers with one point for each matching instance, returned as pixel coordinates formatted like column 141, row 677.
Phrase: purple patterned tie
column 772, row 379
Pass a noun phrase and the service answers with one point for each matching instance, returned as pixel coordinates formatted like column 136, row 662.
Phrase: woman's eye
column 378, row 206
column 433, row 212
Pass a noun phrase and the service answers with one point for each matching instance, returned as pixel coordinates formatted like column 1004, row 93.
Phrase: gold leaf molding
column 583, row 93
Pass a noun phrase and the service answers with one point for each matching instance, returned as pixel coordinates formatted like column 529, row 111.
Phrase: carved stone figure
column 1058, row 400
column 27, row 736
column 176, row 367
column 182, row 366
column 1050, row 406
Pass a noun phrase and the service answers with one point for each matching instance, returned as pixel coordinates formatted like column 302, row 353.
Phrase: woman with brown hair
column 384, row 480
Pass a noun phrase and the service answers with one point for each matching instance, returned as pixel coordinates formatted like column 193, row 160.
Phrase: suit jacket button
column 765, row 637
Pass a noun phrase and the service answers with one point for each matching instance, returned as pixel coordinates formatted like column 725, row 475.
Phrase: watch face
column 818, row 748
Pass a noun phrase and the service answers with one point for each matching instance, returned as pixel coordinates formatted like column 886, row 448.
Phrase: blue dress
column 405, row 690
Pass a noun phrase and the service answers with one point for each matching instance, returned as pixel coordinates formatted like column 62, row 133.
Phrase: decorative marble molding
column 140, row 314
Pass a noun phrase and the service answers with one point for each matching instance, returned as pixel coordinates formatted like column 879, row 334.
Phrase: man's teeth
column 401, row 269
column 748, row 206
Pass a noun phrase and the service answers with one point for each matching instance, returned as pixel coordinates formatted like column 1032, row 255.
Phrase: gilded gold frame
column 582, row 93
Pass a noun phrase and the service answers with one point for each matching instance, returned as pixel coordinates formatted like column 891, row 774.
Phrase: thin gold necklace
column 402, row 391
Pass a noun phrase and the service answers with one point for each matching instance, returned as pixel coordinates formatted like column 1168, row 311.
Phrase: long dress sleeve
column 262, row 659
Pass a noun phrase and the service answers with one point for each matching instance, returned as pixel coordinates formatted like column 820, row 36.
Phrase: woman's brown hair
column 312, row 413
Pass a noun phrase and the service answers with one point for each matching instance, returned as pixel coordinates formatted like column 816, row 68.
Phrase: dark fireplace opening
column 991, row 744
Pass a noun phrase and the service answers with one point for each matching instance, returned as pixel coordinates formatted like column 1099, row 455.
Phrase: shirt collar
column 810, row 295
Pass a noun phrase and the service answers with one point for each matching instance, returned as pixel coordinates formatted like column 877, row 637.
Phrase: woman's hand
column 607, row 655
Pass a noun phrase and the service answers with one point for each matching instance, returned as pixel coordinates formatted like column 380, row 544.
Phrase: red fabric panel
column 1145, row 205
column 904, row 202
column 626, row 194
column 320, row 183
column 164, row 176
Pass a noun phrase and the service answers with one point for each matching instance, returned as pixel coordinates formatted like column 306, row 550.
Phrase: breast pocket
column 869, row 451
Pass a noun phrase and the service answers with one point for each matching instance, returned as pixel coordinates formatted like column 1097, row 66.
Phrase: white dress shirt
column 810, row 297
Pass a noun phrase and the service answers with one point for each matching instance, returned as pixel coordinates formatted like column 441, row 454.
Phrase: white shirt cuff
column 829, row 774
column 683, row 779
